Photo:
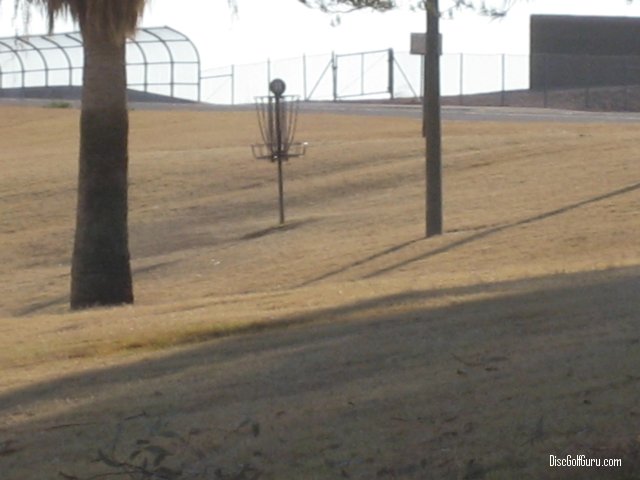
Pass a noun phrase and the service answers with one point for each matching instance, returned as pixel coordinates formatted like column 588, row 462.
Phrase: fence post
column 304, row 76
column 362, row 74
column 268, row 73
column 503, row 93
column 587, row 93
column 422, row 80
column 199, row 84
column 233, row 84
column 334, row 74
column 625, row 64
column 391, row 73
column 146, row 77
column 546, row 79
column 461, row 78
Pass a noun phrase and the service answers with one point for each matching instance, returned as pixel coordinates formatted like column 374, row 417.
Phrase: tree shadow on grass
column 388, row 340
column 62, row 300
column 484, row 233
column 608, row 294
column 500, row 228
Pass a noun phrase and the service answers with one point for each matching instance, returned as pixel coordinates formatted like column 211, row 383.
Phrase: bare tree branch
column 495, row 8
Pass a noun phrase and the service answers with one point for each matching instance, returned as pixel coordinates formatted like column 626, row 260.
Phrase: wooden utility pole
column 431, row 121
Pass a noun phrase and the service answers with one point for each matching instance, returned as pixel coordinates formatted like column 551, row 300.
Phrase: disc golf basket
column 277, row 118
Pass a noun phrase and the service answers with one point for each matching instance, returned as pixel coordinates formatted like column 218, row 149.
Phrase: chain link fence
column 579, row 82
column 163, row 64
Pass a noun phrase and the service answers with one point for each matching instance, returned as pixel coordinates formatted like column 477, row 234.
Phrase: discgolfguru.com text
column 583, row 461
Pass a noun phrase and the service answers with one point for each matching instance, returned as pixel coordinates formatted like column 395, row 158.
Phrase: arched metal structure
column 160, row 60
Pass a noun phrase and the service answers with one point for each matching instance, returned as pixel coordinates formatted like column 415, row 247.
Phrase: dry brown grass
column 472, row 355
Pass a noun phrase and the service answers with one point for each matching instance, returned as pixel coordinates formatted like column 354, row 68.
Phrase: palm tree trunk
column 101, row 272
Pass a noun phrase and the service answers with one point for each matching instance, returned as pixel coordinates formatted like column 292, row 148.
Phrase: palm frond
column 113, row 19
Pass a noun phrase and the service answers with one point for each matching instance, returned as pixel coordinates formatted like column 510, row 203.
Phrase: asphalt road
column 486, row 114
column 452, row 113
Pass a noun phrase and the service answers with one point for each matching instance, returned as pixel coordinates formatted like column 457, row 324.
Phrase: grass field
column 343, row 345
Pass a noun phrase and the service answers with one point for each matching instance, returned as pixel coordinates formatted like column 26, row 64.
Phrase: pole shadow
column 472, row 238
column 362, row 261
column 501, row 228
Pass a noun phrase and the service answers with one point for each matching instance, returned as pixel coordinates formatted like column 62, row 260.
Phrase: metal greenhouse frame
column 158, row 59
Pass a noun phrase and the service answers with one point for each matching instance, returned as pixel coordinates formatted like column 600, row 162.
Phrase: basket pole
column 279, row 154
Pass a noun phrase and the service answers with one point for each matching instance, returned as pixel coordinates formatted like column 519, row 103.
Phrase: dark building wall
column 578, row 51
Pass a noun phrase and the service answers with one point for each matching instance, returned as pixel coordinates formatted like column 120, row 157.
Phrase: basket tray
column 263, row 151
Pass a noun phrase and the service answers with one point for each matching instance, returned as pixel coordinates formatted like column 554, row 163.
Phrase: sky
column 279, row 29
